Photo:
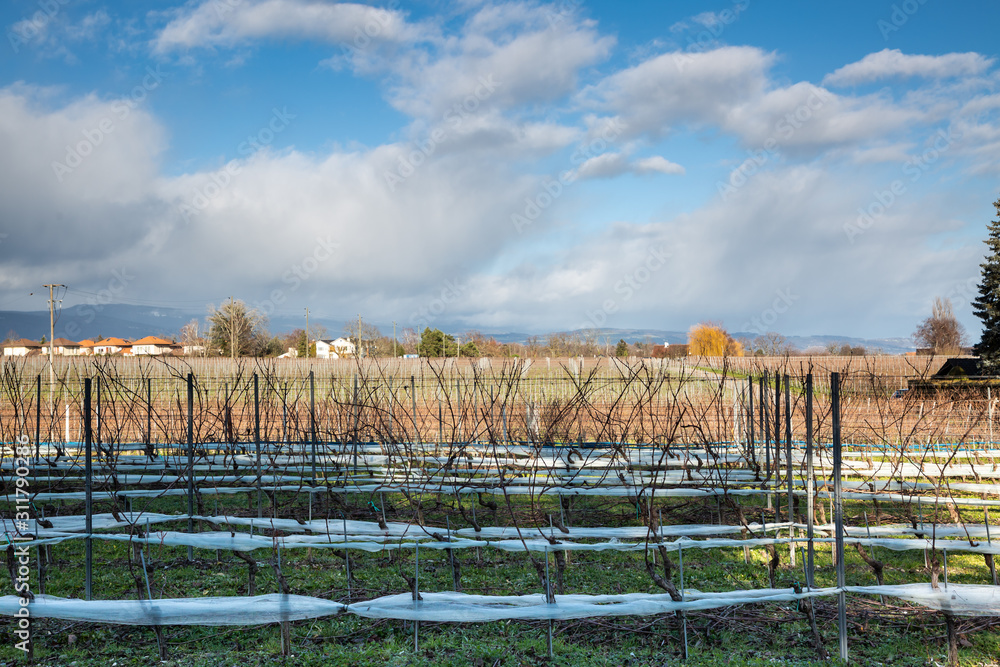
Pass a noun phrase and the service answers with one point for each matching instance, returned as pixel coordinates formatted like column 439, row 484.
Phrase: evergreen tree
column 436, row 343
column 621, row 350
column 987, row 305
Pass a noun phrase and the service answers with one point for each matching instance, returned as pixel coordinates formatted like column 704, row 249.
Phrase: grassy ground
column 879, row 634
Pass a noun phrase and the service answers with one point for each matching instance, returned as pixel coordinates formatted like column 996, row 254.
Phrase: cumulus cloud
column 609, row 165
column 730, row 88
column 493, row 104
column 222, row 24
column 68, row 173
column 890, row 63
column 512, row 53
column 681, row 268
column 681, row 87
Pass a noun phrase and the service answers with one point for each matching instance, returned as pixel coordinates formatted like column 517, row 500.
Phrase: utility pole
column 307, row 333
column 358, row 351
column 394, row 341
column 52, row 335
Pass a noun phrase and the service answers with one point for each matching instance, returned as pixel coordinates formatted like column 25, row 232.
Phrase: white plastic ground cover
column 352, row 527
column 960, row 599
column 447, row 607
column 434, row 607
column 77, row 523
column 219, row 540
column 257, row 610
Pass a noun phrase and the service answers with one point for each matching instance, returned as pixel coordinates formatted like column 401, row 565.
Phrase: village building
column 334, row 348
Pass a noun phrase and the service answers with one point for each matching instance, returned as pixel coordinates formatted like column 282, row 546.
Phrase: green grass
column 750, row 634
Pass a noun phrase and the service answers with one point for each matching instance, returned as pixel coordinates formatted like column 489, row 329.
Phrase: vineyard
column 548, row 511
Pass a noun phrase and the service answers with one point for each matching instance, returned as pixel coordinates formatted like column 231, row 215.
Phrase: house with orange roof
column 151, row 345
column 87, row 347
column 110, row 346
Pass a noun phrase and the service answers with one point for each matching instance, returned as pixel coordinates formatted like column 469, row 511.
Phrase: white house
column 110, row 346
column 20, row 348
column 151, row 345
column 62, row 346
column 335, row 348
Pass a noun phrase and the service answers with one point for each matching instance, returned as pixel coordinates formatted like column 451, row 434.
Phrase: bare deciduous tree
column 192, row 339
column 941, row 332
column 237, row 329
column 770, row 344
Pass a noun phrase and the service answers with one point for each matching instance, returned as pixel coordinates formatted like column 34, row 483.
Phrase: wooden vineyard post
column 149, row 417
column 256, row 440
column 810, row 481
column 88, row 491
column 190, row 457
column 789, row 471
column 751, row 456
column 97, row 413
column 413, row 398
column 777, row 446
column 312, row 428
column 38, row 424
column 357, row 418
column 765, row 427
column 839, row 514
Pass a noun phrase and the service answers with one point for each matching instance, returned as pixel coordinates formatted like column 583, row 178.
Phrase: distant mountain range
column 125, row 321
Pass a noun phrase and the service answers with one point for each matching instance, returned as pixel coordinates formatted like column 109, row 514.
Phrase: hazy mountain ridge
column 91, row 321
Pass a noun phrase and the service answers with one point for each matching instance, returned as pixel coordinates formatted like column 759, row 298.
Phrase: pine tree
column 987, row 305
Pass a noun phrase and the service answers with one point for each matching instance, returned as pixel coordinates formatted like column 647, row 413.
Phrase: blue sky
column 811, row 168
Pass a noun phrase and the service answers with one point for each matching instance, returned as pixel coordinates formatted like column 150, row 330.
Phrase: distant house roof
column 152, row 340
column 65, row 342
column 22, row 342
column 86, row 342
column 116, row 342
column 960, row 367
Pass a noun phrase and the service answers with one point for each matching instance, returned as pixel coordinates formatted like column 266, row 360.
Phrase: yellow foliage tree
column 709, row 339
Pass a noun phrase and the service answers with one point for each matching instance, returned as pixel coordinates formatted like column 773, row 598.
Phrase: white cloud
column 657, row 164
column 64, row 171
column 730, row 89
column 890, row 63
column 611, row 164
column 697, row 88
column 224, row 24
column 52, row 33
column 513, row 53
